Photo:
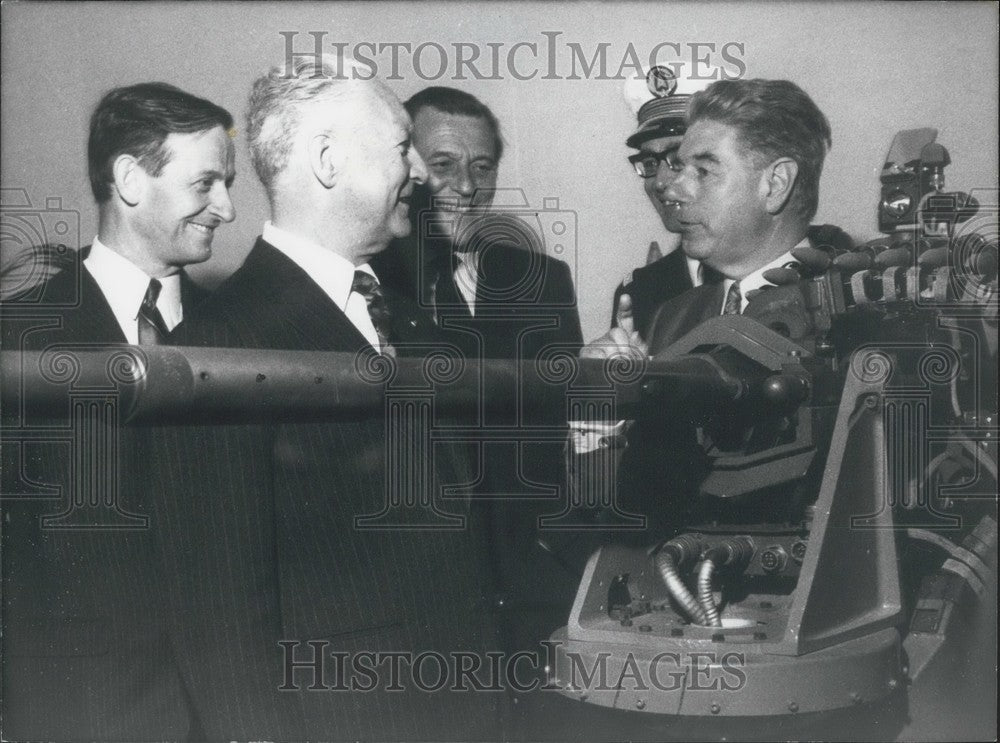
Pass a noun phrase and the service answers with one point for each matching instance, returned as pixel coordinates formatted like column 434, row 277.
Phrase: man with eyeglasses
column 661, row 127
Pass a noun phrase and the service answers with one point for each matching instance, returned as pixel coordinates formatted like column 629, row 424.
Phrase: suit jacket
column 660, row 450
column 85, row 654
column 652, row 285
column 71, row 308
column 257, row 525
column 657, row 473
column 525, row 302
column 682, row 314
column 525, row 309
column 655, row 284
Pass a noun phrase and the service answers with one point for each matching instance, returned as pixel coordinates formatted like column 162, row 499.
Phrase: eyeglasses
column 647, row 163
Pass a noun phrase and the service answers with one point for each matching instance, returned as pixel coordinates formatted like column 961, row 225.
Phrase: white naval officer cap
column 660, row 101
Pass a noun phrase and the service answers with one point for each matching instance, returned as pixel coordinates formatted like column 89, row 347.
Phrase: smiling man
column 482, row 272
column 744, row 189
column 161, row 162
column 85, row 656
column 745, row 186
column 335, row 159
column 259, row 522
column 661, row 126
column 497, row 295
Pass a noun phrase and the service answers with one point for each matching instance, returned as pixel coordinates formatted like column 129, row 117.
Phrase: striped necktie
column 368, row 287
column 734, row 300
column 152, row 329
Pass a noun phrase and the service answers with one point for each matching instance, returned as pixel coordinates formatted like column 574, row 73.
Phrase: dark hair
column 775, row 118
column 456, row 102
column 136, row 120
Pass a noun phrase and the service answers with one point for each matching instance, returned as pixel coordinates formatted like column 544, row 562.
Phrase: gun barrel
column 184, row 383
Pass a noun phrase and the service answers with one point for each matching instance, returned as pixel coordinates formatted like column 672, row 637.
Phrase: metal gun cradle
column 859, row 431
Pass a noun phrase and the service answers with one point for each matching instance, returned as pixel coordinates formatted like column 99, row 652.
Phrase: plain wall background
column 873, row 68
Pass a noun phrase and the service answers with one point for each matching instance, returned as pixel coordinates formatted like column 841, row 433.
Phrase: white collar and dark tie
column 737, row 290
column 125, row 287
column 467, row 276
column 454, row 290
column 335, row 275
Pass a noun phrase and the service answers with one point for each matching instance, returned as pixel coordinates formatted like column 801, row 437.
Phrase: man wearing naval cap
column 661, row 127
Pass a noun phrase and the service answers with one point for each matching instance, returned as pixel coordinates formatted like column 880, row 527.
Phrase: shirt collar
column 695, row 270
column 756, row 280
column 124, row 285
column 469, row 259
column 332, row 272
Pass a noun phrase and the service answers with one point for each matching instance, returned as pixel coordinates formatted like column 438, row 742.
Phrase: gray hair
column 279, row 98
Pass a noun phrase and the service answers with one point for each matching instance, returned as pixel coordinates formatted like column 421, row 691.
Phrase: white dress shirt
column 756, row 279
column 695, row 270
column 586, row 436
column 332, row 272
column 124, row 285
column 467, row 277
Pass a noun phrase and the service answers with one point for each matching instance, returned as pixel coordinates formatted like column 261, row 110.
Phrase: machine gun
column 848, row 516
column 844, row 531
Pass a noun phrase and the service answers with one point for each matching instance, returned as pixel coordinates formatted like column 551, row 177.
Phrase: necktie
column 734, row 300
column 152, row 329
column 367, row 286
column 447, row 296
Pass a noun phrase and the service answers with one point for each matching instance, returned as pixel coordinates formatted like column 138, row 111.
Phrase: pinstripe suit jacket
column 85, row 655
column 255, row 524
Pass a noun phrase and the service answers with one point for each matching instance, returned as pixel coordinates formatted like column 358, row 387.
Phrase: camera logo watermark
column 36, row 240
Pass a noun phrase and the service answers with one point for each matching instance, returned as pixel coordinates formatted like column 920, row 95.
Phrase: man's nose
column 222, row 204
column 418, row 170
column 464, row 184
column 676, row 189
column 665, row 175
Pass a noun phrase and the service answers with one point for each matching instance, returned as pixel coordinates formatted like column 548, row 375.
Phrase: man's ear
column 130, row 179
column 324, row 159
column 778, row 183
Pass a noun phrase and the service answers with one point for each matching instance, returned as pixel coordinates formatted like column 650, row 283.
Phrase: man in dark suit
column 662, row 123
column 485, row 275
column 84, row 654
column 661, row 126
column 160, row 162
column 260, row 523
column 745, row 190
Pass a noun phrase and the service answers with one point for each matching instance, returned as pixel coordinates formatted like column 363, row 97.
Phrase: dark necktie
column 447, row 297
column 152, row 329
column 734, row 300
column 367, row 286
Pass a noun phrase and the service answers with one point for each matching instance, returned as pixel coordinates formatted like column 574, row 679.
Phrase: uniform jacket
column 650, row 286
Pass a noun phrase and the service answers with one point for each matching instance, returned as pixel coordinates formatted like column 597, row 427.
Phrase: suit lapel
column 191, row 294
column 303, row 310
column 679, row 274
column 93, row 319
column 683, row 314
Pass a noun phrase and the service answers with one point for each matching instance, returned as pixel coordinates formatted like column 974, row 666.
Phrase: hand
column 623, row 340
